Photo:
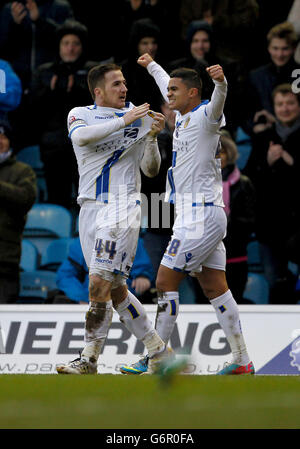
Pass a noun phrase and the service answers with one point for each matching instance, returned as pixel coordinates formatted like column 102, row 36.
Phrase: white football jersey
column 110, row 167
column 195, row 176
column 196, row 164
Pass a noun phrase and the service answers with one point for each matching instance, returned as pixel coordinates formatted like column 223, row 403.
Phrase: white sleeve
column 214, row 109
column 83, row 134
column 150, row 163
column 161, row 78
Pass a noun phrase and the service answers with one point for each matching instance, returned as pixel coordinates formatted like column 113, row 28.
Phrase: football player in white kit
column 194, row 184
column 112, row 140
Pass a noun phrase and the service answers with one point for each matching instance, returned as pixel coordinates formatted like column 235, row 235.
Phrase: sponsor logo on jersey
column 131, row 133
column 103, row 260
column 104, row 117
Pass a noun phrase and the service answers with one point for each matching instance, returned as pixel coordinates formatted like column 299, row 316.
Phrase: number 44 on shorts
column 108, row 246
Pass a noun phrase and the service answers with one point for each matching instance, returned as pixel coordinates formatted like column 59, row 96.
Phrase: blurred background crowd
column 47, row 48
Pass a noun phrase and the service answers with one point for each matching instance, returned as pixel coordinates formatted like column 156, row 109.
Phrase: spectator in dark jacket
column 73, row 276
column 27, row 33
column 239, row 200
column 282, row 41
column 199, row 54
column 233, row 22
column 274, row 167
column 27, row 40
column 17, row 196
column 59, row 86
column 144, row 38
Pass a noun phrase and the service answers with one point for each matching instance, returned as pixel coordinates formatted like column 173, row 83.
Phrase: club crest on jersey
column 187, row 122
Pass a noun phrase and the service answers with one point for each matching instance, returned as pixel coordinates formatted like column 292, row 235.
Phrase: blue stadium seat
column 29, row 256
column 31, row 156
column 254, row 259
column 55, row 253
column 244, row 145
column 47, row 222
column 257, row 289
column 36, row 286
column 76, row 231
column 186, row 292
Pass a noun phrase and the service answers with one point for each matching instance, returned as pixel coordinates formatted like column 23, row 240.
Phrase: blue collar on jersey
column 177, row 124
column 199, row 105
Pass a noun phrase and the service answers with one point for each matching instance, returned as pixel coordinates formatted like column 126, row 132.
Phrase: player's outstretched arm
column 85, row 135
column 215, row 107
column 161, row 77
column 150, row 163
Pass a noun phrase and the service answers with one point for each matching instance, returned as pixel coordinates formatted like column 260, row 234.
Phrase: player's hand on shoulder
column 144, row 60
column 158, row 124
column 136, row 113
column 216, row 73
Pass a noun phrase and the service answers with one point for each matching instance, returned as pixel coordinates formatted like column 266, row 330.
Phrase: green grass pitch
column 145, row 402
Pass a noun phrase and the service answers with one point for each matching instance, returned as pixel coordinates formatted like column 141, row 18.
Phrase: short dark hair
column 190, row 78
column 96, row 75
column 284, row 30
column 284, row 89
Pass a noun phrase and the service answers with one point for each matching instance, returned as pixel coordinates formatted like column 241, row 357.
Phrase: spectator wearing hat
column 27, row 40
column 199, row 54
column 233, row 22
column 58, row 87
column 144, row 38
column 27, row 32
column 17, row 196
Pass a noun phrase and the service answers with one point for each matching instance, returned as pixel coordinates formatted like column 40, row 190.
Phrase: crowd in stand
column 47, row 48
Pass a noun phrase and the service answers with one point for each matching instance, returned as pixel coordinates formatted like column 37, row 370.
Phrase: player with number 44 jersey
column 112, row 140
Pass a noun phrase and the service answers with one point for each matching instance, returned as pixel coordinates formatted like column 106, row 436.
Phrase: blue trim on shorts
column 202, row 204
column 119, row 272
column 180, row 270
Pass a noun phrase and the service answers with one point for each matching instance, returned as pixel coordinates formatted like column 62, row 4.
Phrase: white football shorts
column 198, row 243
column 109, row 236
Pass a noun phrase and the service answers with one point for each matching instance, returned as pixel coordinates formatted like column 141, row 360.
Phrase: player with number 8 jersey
column 194, row 184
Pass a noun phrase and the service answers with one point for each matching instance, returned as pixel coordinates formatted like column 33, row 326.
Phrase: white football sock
column 229, row 318
column 153, row 343
column 133, row 315
column 97, row 323
column 166, row 315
